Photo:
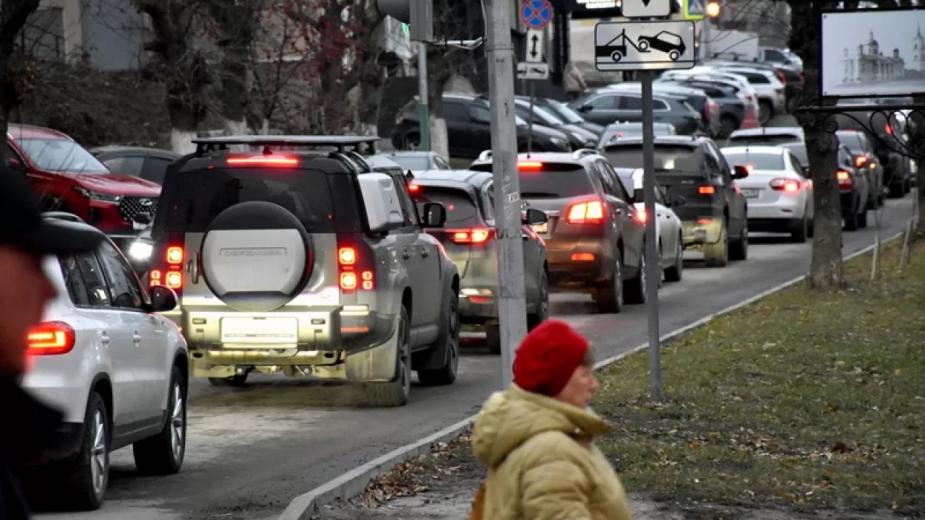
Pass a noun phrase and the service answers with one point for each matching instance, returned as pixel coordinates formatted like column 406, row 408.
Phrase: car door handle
column 136, row 339
column 406, row 254
column 105, row 339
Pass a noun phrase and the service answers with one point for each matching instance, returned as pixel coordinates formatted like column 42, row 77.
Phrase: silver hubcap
column 99, row 458
column 177, row 423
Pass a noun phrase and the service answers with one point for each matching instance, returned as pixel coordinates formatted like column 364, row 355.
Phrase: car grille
column 131, row 206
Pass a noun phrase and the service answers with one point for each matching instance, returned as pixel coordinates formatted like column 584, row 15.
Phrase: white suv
column 114, row 368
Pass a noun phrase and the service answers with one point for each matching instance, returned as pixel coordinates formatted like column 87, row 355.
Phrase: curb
column 355, row 481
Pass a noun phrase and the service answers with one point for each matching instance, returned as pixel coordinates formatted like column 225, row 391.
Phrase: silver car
column 470, row 241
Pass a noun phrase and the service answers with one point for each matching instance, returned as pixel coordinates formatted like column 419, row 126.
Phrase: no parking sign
column 536, row 14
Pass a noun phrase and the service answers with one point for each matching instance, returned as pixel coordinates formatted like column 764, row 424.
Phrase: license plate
column 260, row 330
column 540, row 229
column 751, row 193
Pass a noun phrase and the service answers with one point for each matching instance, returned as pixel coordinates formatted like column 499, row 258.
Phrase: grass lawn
column 802, row 400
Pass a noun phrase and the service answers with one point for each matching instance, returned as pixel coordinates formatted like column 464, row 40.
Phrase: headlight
column 561, row 143
column 140, row 251
column 93, row 195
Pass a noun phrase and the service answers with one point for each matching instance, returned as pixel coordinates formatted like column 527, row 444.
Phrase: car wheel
column 237, row 380
column 611, row 299
column 727, row 125
column 616, row 56
column 396, row 392
column 636, row 290
column 163, row 454
column 449, row 340
column 765, row 112
column 493, row 338
column 87, row 475
column 717, row 254
column 800, row 230
column 674, row 55
column 862, row 218
column 739, row 249
column 643, row 45
column 676, row 271
column 851, row 221
column 542, row 305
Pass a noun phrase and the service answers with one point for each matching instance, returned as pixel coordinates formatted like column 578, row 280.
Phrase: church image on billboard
column 870, row 53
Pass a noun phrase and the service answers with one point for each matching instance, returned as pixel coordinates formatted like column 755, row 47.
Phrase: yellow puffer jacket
column 542, row 462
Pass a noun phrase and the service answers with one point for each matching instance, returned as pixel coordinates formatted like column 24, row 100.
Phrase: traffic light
column 418, row 14
column 713, row 8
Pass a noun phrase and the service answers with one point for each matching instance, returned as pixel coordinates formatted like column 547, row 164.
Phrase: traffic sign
column 532, row 71
column 694, row 9
column 536, row 14
column 534, row 49
column 646, row 8
column 644, row 45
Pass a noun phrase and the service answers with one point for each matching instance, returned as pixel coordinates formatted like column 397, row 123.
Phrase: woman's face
column 581, row 388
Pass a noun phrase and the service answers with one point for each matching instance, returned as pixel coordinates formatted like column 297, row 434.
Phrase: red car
column 69, row 178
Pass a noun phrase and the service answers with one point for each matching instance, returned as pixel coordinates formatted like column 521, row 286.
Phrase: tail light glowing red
column 786, row 185
column 50, row 338
column 155, row 277
column 590, row 212
column 352, row 275
column 273, row 161
column 707, row 190
column 844, row 179
column 529, row 166
column 175, row 255
column 860, row 161
column 583, row 257
column 347, row 256
column 470, row 236
column 640, row 215
column 348, row 280
column 174, row 279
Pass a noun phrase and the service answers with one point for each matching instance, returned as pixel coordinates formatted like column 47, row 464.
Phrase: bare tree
column 235, row 24
column 180, row 65
column 14, row 66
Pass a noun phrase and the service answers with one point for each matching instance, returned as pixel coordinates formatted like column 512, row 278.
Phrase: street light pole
column 423, row 109
column 511, row 304
column 652, row 268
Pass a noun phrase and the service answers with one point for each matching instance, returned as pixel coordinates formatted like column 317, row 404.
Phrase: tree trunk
column 917, row 145
column 827, row 269
column 13, row 16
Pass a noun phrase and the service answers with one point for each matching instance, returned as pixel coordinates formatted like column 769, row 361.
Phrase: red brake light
column 889, row 129
column 276, row 161
column 640, row 215
column 49, row 338
column 155, row 278
column 583, row 257
column 353, row 272
column 591, row 212
column 175, row 255
column 414, row 188
column 174, row 279
column 787, row 185
column 347, row 256
column 470, row 236
column 860, row 161
column 706, row 190
column 348, row 280
column 844, row 179
column 529, row 166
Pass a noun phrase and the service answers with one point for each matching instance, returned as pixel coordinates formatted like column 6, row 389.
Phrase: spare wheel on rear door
column 256, row 256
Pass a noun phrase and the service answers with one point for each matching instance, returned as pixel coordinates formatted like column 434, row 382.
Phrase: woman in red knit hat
column 536, row 438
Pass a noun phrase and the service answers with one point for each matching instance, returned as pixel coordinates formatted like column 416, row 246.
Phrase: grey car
column 292, row 254
column 607, row 106
column 470, row 241
column 616, row 131
column 418, row 160
column 579, row 137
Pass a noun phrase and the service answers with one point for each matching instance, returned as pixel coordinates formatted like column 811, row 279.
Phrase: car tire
column 237, row 381
column 727, row 125
column 717, row 254
column 800, row 230
column 542, row 304
column 493, row 338
column 765, row 112
column 396, row 392
column 86, row 476
column 163, row 453
column 862, row 218
column 636, row 290
column 676, row 271
column 738, row 250
column 449, row 341
column 610, row 300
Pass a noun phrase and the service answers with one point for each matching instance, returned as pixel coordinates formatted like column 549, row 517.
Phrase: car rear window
column 681, row 159
column 461, row 209
column 191, row 200
column 766, row 140
column 556, row 182
column 757, row 161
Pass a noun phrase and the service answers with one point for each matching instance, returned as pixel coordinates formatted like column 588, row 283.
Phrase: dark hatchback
column 610, row 105
column 714, row 216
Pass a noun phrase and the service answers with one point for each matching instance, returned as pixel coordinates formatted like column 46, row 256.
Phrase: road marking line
column 355, row 481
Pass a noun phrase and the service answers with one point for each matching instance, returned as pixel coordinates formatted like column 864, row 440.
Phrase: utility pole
column 423, row 109
column 651, row 254
column 511, row 304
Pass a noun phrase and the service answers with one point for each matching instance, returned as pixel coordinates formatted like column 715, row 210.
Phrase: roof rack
column 63, row 215
column 340, row 142
column 583, row 152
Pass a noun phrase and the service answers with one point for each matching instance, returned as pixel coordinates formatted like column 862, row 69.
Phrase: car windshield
column 668, row 159
column 411, row 162
column 564, row 111
column 540, row 116
column 61, row 155
column 555, row 183
column 461, row 210
column 192, row 200
column 756, row 161
column 799, row 151
column 851, row 140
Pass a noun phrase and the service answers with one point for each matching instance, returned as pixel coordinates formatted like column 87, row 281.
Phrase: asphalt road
column 251, row 450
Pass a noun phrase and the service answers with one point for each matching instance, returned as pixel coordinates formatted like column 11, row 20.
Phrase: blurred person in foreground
column 25, row 237
column 537, row 437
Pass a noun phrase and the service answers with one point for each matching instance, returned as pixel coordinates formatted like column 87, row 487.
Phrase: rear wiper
column 539, row 194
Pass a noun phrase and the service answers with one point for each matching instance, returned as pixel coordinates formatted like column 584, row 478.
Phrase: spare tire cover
column 256, row 256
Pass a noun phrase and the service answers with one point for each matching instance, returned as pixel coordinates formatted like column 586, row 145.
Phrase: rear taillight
column 469, row 236
column 785, row 185
column 50, row 338
column 707, row 189
column 529, row 166
column 860, row 161
column 174, row 280
column 640, row 215
column 782, row 77
column 583, row 257
column 590, row 212
column 844, row 179
column 353, row 274
column 173, row 276
column 268, row 161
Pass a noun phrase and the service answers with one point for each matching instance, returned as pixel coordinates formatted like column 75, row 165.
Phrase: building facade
column 870, row 64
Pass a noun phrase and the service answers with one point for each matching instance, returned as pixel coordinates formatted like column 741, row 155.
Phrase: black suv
column 468, row 125
column 715, row 215
column 594, row 237
column 292, row 254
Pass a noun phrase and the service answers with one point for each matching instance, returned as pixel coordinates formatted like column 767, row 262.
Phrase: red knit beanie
column 547, row 358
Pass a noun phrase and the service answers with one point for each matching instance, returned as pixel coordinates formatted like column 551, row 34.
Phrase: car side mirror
column 739, row 172
column 15, row 164
column 163, row 299
column 434, row 215
column 639, row 195
column 585, row 108
column 534, row 217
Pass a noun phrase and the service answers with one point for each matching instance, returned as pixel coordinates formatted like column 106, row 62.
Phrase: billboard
column 869, row 53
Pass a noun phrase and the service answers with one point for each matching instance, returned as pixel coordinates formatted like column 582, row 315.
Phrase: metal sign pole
column 423, row 108
column 511, row 305
column 530, row 129
column 651, row 254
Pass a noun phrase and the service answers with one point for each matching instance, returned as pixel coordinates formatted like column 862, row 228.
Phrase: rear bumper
column 704, row 230
column 786, row 207
column 568, row 273
column 66, row 442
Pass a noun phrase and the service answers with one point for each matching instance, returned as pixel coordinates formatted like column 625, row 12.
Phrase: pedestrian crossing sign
column 694, row 9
